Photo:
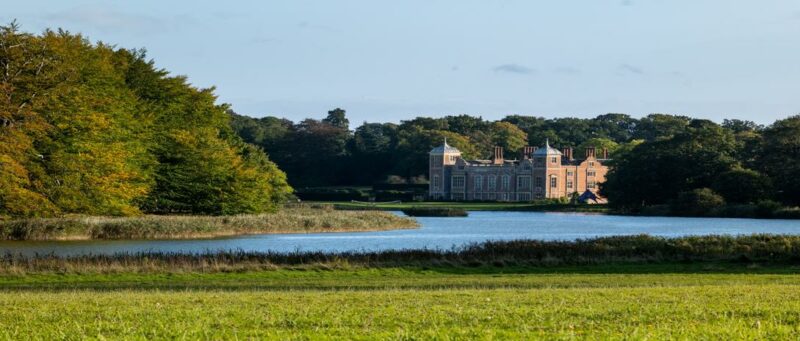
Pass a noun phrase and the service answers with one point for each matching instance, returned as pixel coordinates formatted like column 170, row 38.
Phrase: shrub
column 742, row 186
column 697, row 202
column 766, row 208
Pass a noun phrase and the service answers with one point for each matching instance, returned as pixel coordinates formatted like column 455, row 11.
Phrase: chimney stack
column 568, row 153
column 527, row 151
column 590, row 152
column 498, row 155
column 605, row 153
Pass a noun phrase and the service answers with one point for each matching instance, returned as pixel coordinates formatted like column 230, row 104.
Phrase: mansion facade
column 539, row 173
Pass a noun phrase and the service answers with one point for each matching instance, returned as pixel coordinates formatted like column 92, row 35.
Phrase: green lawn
column 473, row 206
column 679, row 301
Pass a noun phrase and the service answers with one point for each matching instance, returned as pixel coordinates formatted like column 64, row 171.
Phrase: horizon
column 385, row 62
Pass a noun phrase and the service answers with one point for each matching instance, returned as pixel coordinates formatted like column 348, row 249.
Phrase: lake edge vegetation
column 295, row 220
column 763, row 249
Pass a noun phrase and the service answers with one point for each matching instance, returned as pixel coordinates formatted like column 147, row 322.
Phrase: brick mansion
column 539, row 173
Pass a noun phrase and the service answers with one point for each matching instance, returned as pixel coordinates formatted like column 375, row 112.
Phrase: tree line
column 659, row 159
column 93, row 129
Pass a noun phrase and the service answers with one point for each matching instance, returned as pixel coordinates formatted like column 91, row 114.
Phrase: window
column 524, row 197
column 452, row 158
column 554, row 159
column 506, row 182
column 569, row 173
column 591, row 164
column 591, row 173
column 492, row 182
column 478, row 183
column 553, row 182
column 569, row 184
column 458, row 181
column 590, row 184
column 504, row 196
column 523, row 182
column 539, row 182
column 436, row 183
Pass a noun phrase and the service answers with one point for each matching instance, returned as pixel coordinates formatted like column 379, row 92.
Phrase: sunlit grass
column 715, row 311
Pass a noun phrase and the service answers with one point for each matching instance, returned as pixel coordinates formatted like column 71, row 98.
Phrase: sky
column 386, row 61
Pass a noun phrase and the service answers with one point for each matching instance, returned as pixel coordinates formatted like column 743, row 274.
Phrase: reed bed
column 295, row 220
column 642, row 249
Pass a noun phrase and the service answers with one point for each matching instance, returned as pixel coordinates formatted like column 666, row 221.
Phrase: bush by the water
column 697, row 202
column 435, row 212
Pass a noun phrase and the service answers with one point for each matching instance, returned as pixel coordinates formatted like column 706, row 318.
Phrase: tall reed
column 777, row 249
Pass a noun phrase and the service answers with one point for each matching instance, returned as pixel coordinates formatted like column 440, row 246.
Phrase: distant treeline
column 93, row 129
column 681, row 165
column 328, row 153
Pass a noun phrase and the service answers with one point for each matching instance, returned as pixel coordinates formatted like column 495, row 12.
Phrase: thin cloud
column 513, row 68
column 626, row 3
column 630, row 69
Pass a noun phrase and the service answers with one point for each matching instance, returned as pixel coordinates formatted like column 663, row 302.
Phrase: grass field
column 633, row 287
column 675, row 301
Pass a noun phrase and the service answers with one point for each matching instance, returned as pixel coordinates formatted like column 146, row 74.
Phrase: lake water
column 435, row 233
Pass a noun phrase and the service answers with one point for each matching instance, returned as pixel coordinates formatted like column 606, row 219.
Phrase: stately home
column 538, row 173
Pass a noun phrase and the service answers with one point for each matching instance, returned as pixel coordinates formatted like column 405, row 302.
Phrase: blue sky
column 393, row 60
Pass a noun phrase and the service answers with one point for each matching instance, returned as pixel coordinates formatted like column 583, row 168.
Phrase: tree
column 742, row 186
column 780, row 158
column 660, row 126
column 655, row 172
column 25, row 62
column 697, row 202
column 616, row 127
column 508, row 136
column 337, row 118
column 91, row 129
column 599, row 143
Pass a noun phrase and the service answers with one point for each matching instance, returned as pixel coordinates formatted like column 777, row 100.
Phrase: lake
column 435, row 233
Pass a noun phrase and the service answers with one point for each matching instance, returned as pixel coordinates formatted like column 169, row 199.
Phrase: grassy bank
column 296, row 220
column 471, row 206
column 763, row 250
column 396, row 303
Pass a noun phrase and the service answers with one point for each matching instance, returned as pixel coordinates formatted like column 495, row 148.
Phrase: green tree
column 780, row 158
column 660, row 126
column 337, row 118
column 599, row 143
column 742, row 186
column 697, row 202
column 655, row 172
column 508, row 136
